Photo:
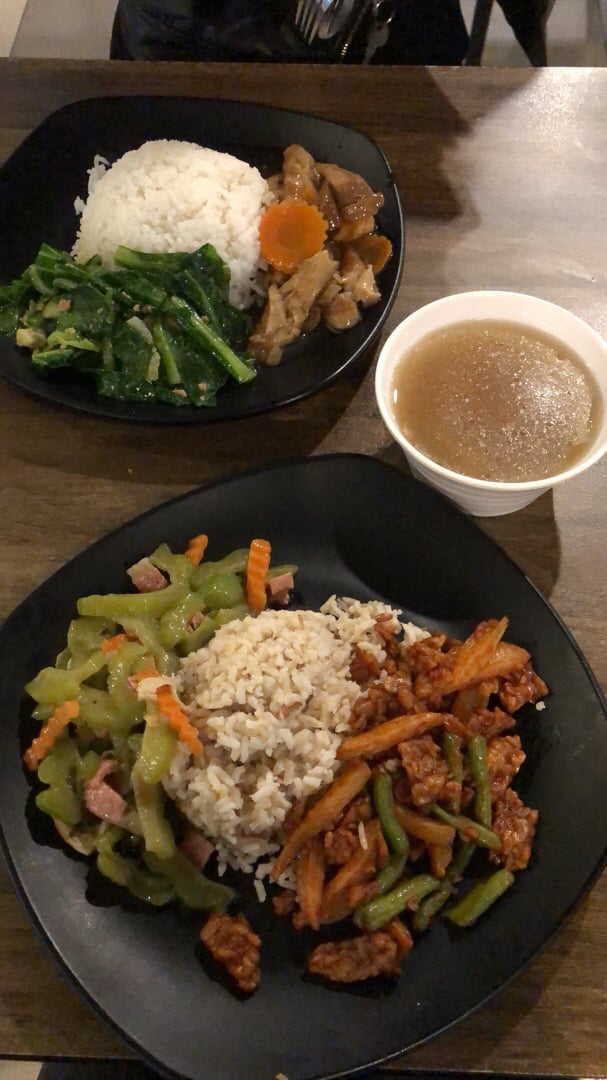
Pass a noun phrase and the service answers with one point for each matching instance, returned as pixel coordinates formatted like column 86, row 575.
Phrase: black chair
column 528, row 22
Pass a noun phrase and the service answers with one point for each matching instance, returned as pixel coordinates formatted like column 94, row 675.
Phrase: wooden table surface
column 502, row 176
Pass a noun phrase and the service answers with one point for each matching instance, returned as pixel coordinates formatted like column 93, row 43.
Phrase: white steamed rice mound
column 271, row 696
column 172, row 196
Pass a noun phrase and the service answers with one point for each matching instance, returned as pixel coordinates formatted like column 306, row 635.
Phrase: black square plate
column 39, row 183
column 362, row 529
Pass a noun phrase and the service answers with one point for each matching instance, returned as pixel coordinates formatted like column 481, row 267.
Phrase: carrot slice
column 258, row 564
column 196, row 549
column 374, row 250
column 290, row 232
column 145, row 673
column 49, row 734
column 177, row 719
column 112, row 644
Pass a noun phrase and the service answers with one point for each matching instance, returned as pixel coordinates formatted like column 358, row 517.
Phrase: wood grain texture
column 502, row 176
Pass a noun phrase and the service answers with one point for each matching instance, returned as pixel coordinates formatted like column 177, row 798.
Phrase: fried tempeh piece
column 233, row 943
column 324, row 813
column 310, row 880
column 386, row 735
column 356, row 959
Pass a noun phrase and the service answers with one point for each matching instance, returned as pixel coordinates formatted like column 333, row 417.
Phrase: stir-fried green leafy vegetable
column 158, row 328
column 94, row 723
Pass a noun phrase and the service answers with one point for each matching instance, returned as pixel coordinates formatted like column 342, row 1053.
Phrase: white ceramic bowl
column 486, row 498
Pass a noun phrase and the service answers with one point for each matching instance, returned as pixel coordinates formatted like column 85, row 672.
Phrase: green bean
column 234, row 563
column 222, row 591
column 195, row 639
column 84, row 636
column 389, row 874
column 469, row 829
column 453, row 756
column 120, row 665
column 480, row 898
column 395, row 836
column 476, row 752
column 157, row 751
column 432, row 904
column 381, row 909
column 146, row 631
column 193, row 889
column 118, row 606
column 157, row 833
column 174, row 623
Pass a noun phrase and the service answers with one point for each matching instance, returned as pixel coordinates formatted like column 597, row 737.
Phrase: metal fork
column 315, row 18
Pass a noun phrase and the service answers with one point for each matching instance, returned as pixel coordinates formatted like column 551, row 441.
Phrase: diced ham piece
column 279, row 589
column 196, row 848
column 146, row 577
column 196, row 620
column 102, row 800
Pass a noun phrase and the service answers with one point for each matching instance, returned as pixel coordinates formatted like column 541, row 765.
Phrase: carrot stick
column 177, row 719
column 390, row 733
column 145, row 673
column 323, row 813
column 310, row 881
column 258, row 564
column 440, row 856
column 359, row 868
column 49, row 734
column 424, row 828
column 112, row 644
column 476, row 651
column 196, row 549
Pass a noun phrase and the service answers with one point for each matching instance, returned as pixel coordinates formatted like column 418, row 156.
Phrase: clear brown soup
column 496, row 401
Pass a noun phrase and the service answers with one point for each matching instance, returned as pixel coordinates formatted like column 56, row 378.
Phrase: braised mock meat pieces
column 234, row 945
column 288, row 307
column 353, row 254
